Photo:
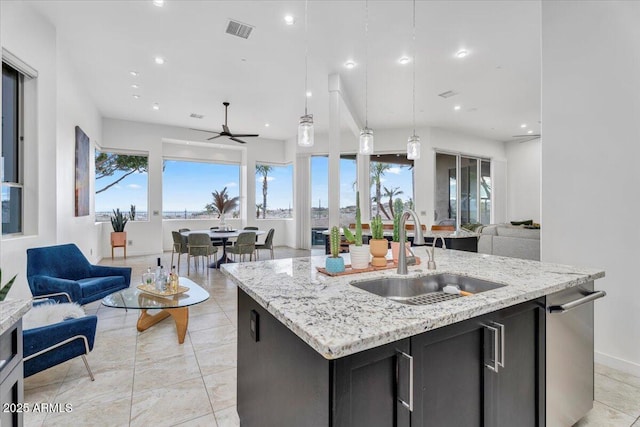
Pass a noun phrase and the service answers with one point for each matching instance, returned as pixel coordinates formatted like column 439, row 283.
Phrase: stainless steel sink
column 423, row 290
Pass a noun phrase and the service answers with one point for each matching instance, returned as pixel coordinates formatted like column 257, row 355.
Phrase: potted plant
column 334, row 263
column 378, row 244
column 359, row 253
column 6, row 287
column 398, row 208
column 222, row 204
column 118, row 235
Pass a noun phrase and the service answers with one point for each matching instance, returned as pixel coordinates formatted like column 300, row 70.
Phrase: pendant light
column 366, row 134
column 413, row 144
column 305, row 127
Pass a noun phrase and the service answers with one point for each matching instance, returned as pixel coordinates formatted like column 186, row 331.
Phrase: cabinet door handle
column 501, row 333
column 404, row 403
column 494, row 338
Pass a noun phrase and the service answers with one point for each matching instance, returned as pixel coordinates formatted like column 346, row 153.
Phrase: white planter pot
column 360, row 256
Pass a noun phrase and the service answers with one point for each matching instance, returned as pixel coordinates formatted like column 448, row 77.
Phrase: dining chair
column 200, row 246
column 180, row 247
column 268, row 243
column 182, row 230
column 245, row 245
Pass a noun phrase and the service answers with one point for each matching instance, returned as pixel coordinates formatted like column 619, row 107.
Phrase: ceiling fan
column 226, row 132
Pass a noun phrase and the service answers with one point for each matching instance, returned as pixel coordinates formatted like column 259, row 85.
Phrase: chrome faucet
column 431, row 265
column 418, row 239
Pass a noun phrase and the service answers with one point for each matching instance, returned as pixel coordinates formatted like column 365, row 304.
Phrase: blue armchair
column 62, row 270
column 50, row 345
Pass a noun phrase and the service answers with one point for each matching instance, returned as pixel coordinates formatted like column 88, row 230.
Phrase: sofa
column 511, row 241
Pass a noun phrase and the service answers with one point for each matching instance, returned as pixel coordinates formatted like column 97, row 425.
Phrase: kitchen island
column 309, row 345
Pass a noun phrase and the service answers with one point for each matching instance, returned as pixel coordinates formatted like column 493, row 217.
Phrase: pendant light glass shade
column 366, row 141
column 305, row 131
column 413, row 147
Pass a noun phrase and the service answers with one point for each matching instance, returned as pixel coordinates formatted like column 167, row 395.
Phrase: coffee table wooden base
column 180, row 316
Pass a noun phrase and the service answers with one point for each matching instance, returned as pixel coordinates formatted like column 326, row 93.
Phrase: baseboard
column 617, row 363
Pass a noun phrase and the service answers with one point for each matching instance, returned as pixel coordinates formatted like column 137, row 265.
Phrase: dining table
column 224, row 236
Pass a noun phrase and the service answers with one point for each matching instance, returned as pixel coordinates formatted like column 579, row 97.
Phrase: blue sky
column 188, row 185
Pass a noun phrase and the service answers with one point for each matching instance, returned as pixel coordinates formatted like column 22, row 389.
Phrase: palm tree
column 391, row 193
column 258, row 207
column 264, row 171
column 377, row 171
column 221, row 202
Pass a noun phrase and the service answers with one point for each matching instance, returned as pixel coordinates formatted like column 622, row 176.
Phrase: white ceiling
column 263, row 77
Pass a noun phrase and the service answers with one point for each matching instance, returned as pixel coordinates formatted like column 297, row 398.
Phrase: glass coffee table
column 176, row 306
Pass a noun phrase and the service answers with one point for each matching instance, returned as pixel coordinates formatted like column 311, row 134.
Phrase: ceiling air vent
column 448, row 94
column 196, row 116
column 236, row 28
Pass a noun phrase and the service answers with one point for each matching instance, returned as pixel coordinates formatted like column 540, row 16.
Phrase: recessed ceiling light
column 267, row 125
column 156, row 106
column 135, row 86
column 462, row 53
column 136, row 96
column 457, row 107
column 524, row 125
column 289, row 19
column 134, row 73
column 159, row 60
column 350, row 64
column 529, row 131
column 309, row 94
column 404, row 60
column 158, row 3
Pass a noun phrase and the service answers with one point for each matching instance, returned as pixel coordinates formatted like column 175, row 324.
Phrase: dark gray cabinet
column 11, row 376
column 485, row 371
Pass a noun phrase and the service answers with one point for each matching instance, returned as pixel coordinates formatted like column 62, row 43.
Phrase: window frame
column 18, row 145
column 372, row 159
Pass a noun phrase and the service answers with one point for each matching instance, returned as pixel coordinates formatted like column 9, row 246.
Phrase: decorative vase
column 223, row 223
column 118, row 238
column 334, row 265
column 395, row 250
column 360, row 256
column 379, row 248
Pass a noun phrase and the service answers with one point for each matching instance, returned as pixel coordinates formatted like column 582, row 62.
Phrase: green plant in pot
column 360, row 253
column 118, row 236
column 334, row 263
column 378, row 245
column 6, row 287
column 398, row 208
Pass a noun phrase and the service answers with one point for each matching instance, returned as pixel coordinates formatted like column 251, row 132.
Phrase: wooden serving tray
column 349, row 270
column 150, row 289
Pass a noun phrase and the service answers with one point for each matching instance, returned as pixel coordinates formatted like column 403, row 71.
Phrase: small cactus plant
column 334, row 241
column 376, row 228
column 357, row 238
column 398, row 207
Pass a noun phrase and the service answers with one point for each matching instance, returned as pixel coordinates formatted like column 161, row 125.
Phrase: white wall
column 590, row 204
column 523, row 180
column 33, row 39
column 74, row 108
column 158, row 141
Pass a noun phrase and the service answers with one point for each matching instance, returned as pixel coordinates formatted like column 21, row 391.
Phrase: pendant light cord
column 414, row 67
column 366, row 65
column 306, row 56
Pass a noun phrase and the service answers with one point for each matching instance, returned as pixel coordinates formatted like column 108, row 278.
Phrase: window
column 463, row 189
column 274, row 191
column 121, row 183
column 12, row 179
column 319, row 196
column 348, row 187
column 391, row 178
column 187, row 188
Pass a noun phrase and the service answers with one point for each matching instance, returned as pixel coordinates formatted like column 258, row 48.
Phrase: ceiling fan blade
column 202, row 130
column 246, row 134
column 237, row 140
column 225, row 128
column 214, row 137
column 529, row 135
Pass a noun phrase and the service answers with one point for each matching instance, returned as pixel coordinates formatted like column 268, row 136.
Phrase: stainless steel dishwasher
column 569, row 342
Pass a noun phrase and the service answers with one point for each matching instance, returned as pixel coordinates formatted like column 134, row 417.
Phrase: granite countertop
column 11, row 311
column 337, row 319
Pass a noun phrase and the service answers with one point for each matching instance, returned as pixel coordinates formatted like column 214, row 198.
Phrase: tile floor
column 147, row 378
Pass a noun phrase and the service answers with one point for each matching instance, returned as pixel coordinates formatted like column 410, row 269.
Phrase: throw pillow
column 50, row 313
